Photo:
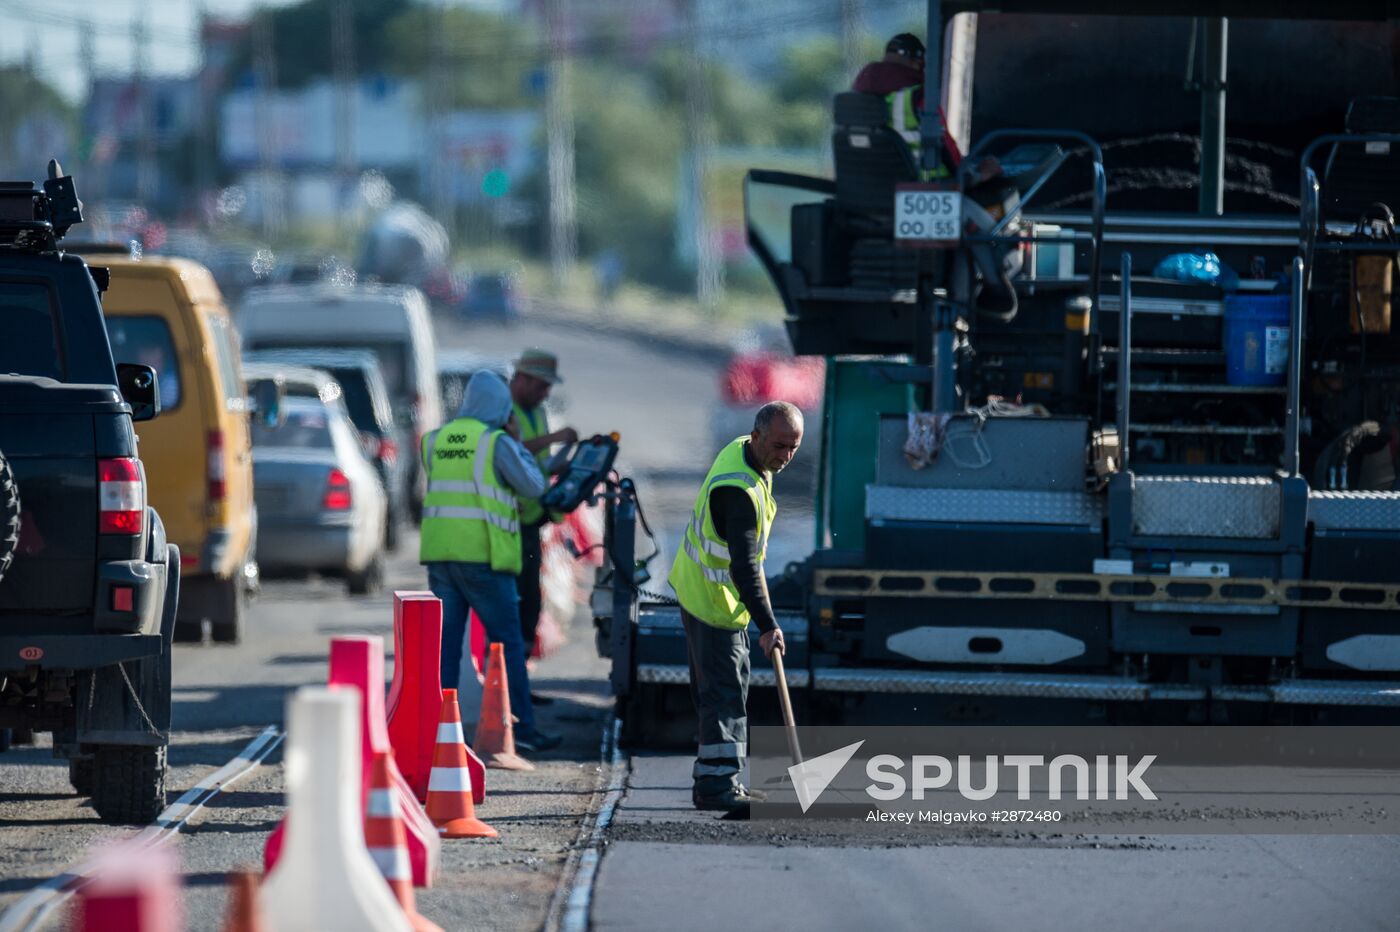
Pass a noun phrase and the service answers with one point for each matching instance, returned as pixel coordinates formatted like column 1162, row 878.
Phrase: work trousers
column 719, row 687
column 527, row 584
column 464, row 587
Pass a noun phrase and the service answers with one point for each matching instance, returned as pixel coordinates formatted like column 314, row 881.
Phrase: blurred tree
column 301, row 37
column 627, row 152
column 491, row 60
column 24, row 96
column 630, row 137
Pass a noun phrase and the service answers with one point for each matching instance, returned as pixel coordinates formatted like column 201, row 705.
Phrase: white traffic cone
column 325, row 878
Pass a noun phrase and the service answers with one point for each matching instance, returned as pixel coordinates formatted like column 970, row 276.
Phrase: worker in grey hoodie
column 470, row 542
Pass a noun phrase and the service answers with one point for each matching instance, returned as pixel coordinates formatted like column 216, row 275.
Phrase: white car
column 389, row 320
column 321, row 506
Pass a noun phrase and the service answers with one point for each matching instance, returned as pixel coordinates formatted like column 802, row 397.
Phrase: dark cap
column 906, row 44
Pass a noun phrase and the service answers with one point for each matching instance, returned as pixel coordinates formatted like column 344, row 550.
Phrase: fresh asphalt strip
column 573, row 899
column 33, row 909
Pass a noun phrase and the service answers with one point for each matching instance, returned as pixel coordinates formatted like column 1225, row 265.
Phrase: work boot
column 726, row 800
column 536, row 740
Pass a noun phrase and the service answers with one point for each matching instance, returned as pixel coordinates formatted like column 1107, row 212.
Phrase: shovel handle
column 789, row 724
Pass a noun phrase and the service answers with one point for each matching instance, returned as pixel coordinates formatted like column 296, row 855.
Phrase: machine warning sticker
column 1275, row 350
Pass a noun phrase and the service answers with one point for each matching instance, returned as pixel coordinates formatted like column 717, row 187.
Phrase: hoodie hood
column 487, row 399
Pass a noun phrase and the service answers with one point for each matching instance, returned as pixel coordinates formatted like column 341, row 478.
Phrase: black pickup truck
column 87, row 606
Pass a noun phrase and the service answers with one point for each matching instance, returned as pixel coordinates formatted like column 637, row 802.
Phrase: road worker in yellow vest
column 719, row 582
column 470, row 541
column 536, row 373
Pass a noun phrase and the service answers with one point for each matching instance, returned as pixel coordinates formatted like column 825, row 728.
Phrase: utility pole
column 343, row 67
column 204, row 155
column 87, row 61
column 709, row 269
column 146, row 180
column 850, row 36
column 441, row 190
column 269, row 158
column 559, row 128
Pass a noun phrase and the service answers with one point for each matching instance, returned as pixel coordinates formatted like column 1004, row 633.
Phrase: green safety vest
column 534, row 423
column 700, row 573
column 469, row 516
column 904, row 120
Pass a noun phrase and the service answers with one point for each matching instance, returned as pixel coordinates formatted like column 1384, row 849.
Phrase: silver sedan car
column 321, row 506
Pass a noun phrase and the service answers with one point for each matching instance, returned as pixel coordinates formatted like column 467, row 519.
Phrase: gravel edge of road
column 570, row 906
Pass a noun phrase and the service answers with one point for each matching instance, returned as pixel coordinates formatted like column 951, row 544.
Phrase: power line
column 79, row 22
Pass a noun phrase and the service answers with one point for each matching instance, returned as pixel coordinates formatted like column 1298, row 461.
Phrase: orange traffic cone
column 450, row 803
column 387, row 841
column 243, row 913
column 495, row 735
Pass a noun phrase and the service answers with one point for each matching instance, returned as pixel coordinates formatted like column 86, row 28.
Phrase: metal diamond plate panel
column 1355, row 511
column 678, row 675
column 1026, row 685
column 1316, row 692
column 1205, row 506
column 982, row 506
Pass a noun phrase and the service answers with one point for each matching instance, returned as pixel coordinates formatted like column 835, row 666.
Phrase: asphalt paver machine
column 1094, row 446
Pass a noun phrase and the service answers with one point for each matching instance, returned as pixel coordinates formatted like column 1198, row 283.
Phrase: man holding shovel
column 719, row 581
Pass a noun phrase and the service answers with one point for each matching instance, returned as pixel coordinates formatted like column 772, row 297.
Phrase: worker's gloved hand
column 566, row 435
column 769, row 640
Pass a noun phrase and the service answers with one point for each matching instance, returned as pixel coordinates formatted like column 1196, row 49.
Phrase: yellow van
column 168, row 313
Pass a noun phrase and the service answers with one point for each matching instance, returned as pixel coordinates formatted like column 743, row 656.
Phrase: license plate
column 927, row 215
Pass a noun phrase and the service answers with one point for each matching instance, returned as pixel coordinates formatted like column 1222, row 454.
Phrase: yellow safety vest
column 904, row 120
column 700, row 573
column 469, row 516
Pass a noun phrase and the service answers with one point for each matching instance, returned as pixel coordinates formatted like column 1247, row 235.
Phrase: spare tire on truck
column 9, row 515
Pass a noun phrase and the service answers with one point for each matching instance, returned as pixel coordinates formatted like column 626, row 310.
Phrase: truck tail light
column 121, row 496
column 337, row 497
column 215, row 448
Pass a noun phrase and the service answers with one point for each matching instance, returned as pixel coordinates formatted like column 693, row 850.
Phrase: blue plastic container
column 1256, row 339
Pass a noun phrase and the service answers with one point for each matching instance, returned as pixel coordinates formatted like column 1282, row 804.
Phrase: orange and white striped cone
column 495, row 734
column 450, row 804
column 244, row 913
column 387, row 841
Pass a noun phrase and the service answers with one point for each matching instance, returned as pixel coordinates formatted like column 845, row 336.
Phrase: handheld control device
column 589, row 466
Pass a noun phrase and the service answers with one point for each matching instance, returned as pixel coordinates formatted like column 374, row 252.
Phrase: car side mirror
column 267, row 403
column 139, row 388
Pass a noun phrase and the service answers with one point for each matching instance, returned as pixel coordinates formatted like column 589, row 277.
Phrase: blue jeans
column 466, row 586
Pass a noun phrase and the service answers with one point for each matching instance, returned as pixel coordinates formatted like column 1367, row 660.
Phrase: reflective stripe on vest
column 471, row 488
column 468, row 515
column 472, row 514
column 701, row 571
column 903, row 118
